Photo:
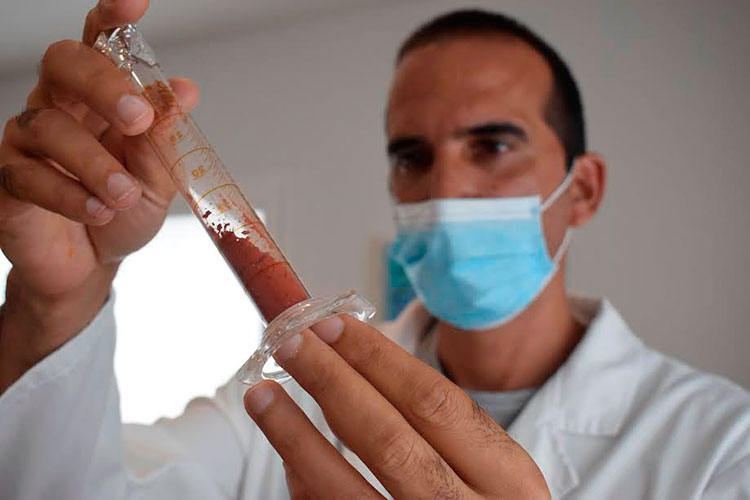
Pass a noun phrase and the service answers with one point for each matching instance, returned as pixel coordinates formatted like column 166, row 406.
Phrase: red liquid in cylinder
column 271, row 282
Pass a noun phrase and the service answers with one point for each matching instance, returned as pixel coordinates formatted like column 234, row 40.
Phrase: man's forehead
column 468, row 71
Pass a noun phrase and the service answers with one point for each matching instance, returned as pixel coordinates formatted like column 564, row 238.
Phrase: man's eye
column 411, row 161
column 490, row 147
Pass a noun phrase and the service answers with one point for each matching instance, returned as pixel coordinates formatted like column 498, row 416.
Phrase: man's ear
column 587, row 188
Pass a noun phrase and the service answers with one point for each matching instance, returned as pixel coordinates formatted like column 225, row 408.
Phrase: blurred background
column 293, row 99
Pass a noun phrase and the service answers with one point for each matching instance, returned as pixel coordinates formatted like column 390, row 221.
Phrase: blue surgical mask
column 477, row 263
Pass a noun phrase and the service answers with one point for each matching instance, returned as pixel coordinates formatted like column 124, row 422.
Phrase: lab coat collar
column 593, row 390
column 590, row 394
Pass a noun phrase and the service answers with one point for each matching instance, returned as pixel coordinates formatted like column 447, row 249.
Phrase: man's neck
column 520, row 354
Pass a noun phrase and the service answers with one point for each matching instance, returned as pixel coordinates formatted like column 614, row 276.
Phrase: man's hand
column 80, row 189
column 420, row 434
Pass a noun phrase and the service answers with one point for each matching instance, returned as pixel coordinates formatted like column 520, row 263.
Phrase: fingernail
column 95, row 207
column 330, row 329
column 132, row 109
column 258, row 398
column 289, row 348
column 119, row 186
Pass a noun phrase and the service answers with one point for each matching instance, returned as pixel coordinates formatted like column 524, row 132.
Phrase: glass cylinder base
column 262, row 366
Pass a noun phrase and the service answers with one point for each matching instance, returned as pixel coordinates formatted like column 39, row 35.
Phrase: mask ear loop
column 552, row 198
column 558, row 191
column 562, row 248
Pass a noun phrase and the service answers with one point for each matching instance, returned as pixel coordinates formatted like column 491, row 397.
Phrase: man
column 489, row 173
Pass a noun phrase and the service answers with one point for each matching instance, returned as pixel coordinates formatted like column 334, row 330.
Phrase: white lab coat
column 617, row 420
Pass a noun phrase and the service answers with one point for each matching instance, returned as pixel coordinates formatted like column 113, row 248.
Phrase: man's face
column 465, row 119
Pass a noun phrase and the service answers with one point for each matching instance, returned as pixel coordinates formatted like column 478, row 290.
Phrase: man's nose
column 454, row 177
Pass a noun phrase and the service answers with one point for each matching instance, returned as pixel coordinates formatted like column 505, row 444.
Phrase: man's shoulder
column 664, row 423
column 670, row 380
column 692, row 420
column 659, row 378
column 704, row 415
column 654, row 393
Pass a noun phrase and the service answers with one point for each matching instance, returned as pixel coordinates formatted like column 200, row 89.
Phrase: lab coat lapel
column 589, row 395
column 594, row 389
column 535, row 431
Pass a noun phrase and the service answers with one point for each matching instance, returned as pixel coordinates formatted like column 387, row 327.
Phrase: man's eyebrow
column 402, row 143
column 494, row 128
column 483, row 129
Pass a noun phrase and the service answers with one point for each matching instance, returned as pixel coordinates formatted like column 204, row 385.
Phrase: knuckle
column 435, row 403
column 398, row 453
column 100, row 165
column 102, row 77
column 10, row 127
column 91, row 19
column 57, row 51
column 405, row 457
column 290, row 444
column 442, row 482
column 323, row 378
column 69, row 202
column 488, row 433
column 7, row 179
column 368, row 358
column 35, row 121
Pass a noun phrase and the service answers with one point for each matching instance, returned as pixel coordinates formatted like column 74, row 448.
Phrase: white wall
column 296, row 111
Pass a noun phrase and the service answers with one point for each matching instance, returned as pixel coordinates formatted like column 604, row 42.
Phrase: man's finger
column 466, row 437
column 49, row 133
column 406, row 465
column 73, row 69
column 109, row 14
column 187, row 92
column 36, row 182
column 138, row 153
column 320, row 467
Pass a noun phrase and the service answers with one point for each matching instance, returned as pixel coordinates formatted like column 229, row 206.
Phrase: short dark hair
column 564, row 109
